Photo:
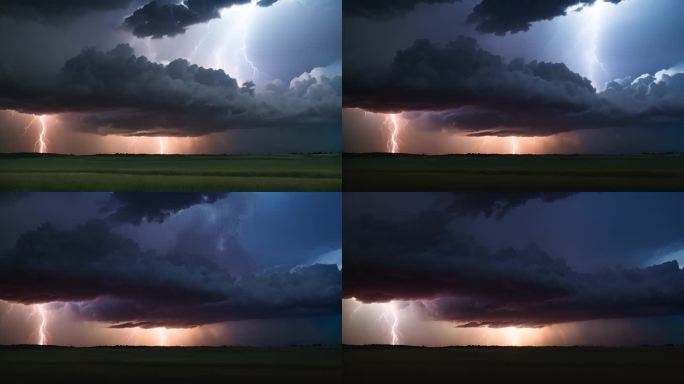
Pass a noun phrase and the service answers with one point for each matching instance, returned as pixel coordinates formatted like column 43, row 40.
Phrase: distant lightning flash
column 392, row 318
column 514, row 145
column 42, row 333
column 592, row 32
column 393, row 141
column 42, row 141
column 247, row 19
column 161, row 146
column 162, row 337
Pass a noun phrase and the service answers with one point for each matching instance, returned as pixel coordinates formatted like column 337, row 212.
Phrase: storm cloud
column 382, row 9
column 502, row 16
column 426, row 257
column 103, row 276
column 135, row 207
column 158, row 19
column 46, row 11
column 459, row 86
column 493, row 204
column 488, row 16
column 119, row 92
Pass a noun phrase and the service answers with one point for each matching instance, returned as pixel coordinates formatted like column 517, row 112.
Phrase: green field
column 24, row 364
column 33, row 172
column 386, row 172
column 386, row 364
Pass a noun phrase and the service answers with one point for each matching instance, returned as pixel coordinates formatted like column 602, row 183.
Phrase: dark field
column 32, row 172
column 22, row 364
column 384, row 364
column 377, row 364
column 387, row 172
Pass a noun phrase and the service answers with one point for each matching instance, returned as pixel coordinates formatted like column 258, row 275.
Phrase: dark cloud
column 489, row 16
column 424, row 258
column 459, row 86
column 118, row 92
column 384, row 9
column 503, row 16
column 497, row 205
column 106, row 277
column 134, row 207
column 47, row 11
column 157, row 19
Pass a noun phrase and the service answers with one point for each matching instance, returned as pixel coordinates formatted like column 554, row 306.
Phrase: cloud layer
column 136, row 207
column 157, row 19
column 106, row 277
column 119, row 92
column 57, row 11
column 425, row 258
column 381, row 9
column 489, row 16
column 501, row 16
column 462, row 87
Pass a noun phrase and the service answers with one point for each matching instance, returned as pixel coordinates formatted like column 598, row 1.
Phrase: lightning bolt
column 161, row 146
column 514, row 145
column 247, row 19
column 42, row 333
column 592, row 31
column 162, row 336
column 392, row 318
column 42, row 141
column 393, row 141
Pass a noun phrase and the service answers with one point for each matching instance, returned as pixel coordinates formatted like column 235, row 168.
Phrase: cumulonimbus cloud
column 424, row 258
column 157, row 19
column 106, row 277
column 459, row 86
column 382, row 9
column 489, row 16
column 117, row 92
column 46, row 11
column 136, row 207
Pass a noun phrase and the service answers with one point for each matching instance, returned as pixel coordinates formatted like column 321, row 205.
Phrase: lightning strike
column 162, row 337
column 392, row 318
column 42, row 141
column 592, row 31
column 247, row 18
column 42, row 333
column 514, row 145
column 393, row 141
column 161, row 146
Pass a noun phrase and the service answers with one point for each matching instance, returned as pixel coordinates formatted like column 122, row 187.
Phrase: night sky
column 491, row 76
column 170, row 268
column 194, row 76
column 513, row 269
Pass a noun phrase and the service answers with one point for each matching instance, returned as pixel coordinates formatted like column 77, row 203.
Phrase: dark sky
column 125, row 75
column 521, row 268
column 171, row 268
column 560, row 76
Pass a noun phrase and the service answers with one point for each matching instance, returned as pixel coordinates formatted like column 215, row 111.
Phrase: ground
column 387, row 364
column 387, row 172
column 24, row 364
column 34, row 172
column 353, row 364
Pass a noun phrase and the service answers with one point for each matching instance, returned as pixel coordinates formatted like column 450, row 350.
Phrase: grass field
column 33, row 172
column 386, row 364
column 24, row 364
column 387, row 172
